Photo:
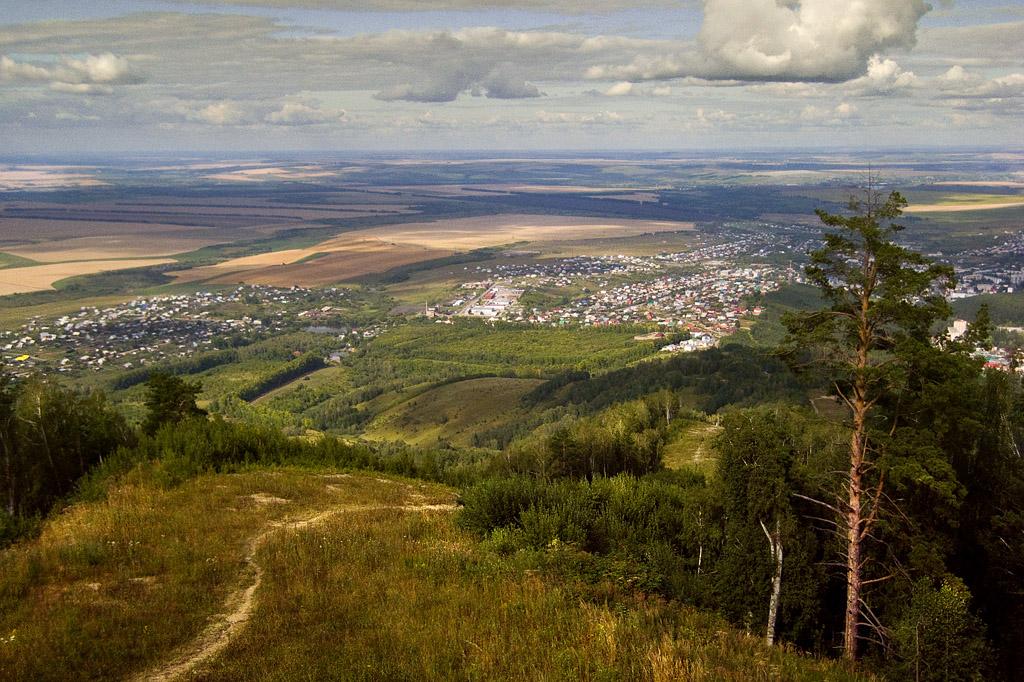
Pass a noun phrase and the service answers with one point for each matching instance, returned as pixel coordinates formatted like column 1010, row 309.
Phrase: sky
column 393, row 75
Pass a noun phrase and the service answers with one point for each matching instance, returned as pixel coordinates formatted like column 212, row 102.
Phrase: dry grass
column 42, row 277
column 357, row 577
column 117, row 586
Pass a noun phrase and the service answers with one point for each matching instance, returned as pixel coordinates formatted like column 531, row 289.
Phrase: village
column 699, row 295
column 706, row 296
column 172, row 327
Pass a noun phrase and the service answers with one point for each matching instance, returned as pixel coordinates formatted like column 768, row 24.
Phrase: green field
column 9, row 260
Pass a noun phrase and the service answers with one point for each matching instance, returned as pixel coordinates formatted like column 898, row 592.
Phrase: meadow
column 326, row 575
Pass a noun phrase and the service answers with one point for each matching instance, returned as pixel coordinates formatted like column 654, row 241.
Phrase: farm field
column 453, row 412
column 315, row 266
column 378, row 249
column 39, row 176
column 144, row 217
column 42, row 277
column 957, row 203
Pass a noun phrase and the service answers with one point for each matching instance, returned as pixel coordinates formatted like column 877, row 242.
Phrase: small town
column 161, row 328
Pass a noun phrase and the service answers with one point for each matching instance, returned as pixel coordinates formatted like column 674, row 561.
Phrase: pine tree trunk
column 855, row 503
column 853, row 550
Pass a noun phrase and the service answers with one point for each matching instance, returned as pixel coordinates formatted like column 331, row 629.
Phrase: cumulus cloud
column 883, row 77
column 711, row 118
column 828, row 115
column 805, row 39
column 299, row 114
column 620, row 89
column 220, row 114
column 958, row 82
column 92, row 74
column 103, row 68
column 630, row 89
column 12, row 71
column 775, row 40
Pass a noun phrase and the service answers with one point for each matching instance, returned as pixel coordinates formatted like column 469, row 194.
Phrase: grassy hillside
column 692, row 445
column 452, row 412
column 317, row 575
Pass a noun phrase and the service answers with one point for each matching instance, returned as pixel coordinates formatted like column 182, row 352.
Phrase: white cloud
column 883, row 77
column 813, row 114
column 92, row 74
column 710, row 118
column 955, row 74
column 806, row 40
column 12, row 71
column 620, row 89
column 958, row 82
column 793, row 40
column 220, row 114
column 103, row 68
column 298, row 114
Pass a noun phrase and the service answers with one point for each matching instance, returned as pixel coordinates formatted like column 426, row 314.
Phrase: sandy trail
column 240, row 604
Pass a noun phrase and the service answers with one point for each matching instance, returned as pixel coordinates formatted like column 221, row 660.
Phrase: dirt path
column 241, row 603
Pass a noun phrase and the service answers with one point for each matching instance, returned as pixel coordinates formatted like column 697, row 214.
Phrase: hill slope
column 452, row 412
column 297, row 574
